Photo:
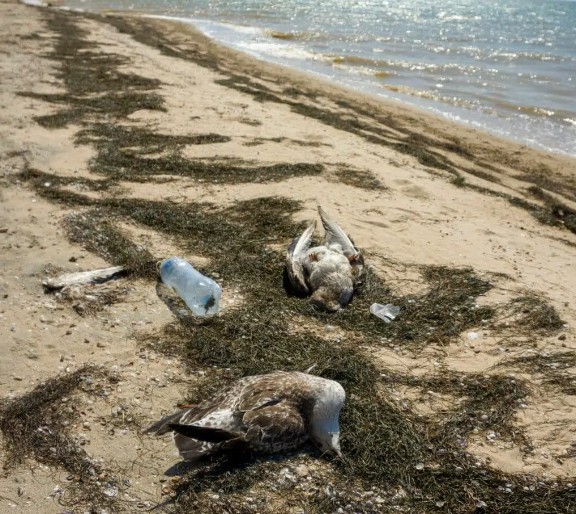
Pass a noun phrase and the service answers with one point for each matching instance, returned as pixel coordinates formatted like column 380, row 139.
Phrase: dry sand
column 422, row 216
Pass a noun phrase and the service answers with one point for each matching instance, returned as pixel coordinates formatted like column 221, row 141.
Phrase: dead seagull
column 330, row 272
column 261, row 413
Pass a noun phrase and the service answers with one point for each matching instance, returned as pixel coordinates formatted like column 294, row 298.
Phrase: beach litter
column 87, row 291
column 200, row 293
column 386, row 313
column 82, row 277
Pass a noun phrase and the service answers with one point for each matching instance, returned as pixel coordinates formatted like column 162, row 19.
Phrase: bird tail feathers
column 162, row 426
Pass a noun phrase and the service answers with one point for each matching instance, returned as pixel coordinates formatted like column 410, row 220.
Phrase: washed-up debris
column 386, row 313
column 200, row 293
column 82, row 277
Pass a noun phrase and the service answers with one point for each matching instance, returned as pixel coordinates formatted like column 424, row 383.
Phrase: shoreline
column 128, row 140
column 410, row 101
column 512, row 153
column 461, row 118
column 441, row 118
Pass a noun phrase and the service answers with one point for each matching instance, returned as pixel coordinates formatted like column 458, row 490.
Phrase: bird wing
column 278, row 425
column 294, row 257
column 275, row 427
column 192, row 413
column 215, row 441
column 272, row 410
column 195, row 442
column 208, row 434
column 335, row 235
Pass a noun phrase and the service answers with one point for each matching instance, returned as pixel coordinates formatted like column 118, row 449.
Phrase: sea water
column 507, row 67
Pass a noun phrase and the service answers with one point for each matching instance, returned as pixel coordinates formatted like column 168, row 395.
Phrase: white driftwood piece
column 82, row 277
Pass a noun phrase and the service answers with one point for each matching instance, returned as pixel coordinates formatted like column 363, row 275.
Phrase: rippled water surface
column 508, row 66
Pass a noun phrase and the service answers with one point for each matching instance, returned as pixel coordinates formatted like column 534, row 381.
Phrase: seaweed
column 37, row 425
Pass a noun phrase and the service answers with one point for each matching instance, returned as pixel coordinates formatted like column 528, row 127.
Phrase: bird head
column 324, row 424
column 331, row 299
column 328, row 442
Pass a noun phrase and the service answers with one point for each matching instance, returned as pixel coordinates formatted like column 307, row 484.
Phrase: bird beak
column 336, row 448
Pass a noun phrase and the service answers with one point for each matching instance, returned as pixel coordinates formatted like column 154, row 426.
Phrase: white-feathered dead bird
column 329, row 273
column 262, row 413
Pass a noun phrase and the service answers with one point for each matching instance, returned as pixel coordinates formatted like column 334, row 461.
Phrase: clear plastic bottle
column 200, row 293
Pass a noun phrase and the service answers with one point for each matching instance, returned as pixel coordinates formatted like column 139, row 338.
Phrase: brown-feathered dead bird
column 261, row 413
column 329, row 273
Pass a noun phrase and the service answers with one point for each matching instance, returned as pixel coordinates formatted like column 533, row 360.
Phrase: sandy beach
column 126, row 140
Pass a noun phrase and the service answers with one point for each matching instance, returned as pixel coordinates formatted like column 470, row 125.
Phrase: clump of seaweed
column 105, row 136
column 99, row 235
column 363, row 179
column 559, row 213
column 39, row 179
column 127, row 165
column 528, row 315
column 96, row 88
column 543, row 178
column 541, row 214
column 36, row 426
column 435, row 317
column 556, row 369
column 485, row 402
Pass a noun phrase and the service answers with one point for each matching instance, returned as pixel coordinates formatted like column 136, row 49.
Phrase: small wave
column 535, row 111
column 35, row 3
column 411, row 91
column 277, row 50
column 561, row 116
column 432, row 95
column 356, row 60
column 447, row 68
column 457, row 17
column 499, row 55
column 288, row 36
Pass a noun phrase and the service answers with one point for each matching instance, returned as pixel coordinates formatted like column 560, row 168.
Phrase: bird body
column 262, row 413
column 329, row 273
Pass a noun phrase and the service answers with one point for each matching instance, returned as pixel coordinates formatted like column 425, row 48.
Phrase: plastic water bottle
column 385, row 312
column 200, row 293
